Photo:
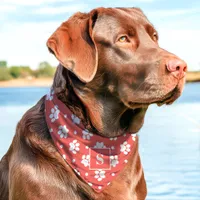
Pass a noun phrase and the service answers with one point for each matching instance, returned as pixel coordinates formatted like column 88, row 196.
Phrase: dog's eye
column 123, row 39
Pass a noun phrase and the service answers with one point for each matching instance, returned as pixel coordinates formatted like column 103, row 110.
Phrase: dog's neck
column 105, row 112
column 100, row 111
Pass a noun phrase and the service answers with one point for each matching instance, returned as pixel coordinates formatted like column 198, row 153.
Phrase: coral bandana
column 97, row 160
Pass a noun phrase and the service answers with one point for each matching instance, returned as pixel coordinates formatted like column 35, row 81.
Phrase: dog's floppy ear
column 73, row 45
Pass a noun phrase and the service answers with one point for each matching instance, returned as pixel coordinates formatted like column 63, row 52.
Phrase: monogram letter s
column 100, row 159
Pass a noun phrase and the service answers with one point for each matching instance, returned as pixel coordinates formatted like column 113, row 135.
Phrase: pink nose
column 177, row 67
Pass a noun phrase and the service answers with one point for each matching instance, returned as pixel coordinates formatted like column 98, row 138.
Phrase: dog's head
column 121, row 69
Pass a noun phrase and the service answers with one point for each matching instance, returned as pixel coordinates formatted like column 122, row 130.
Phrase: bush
column 45, row 70
column 4, row 74
column 25, row 71
column 20, row 71
column 15, row 71
column 3, row 63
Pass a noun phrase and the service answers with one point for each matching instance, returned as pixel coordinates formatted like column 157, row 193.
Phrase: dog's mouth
column 167, row 99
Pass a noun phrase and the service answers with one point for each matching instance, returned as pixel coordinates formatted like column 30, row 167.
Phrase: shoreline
column 193, row 76
column 34, row 82
column 47, row 82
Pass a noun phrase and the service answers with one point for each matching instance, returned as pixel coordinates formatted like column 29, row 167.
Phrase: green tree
column 15, row 71
column 3, row 63
column 20, row 71
column 4, row 74
column 25, row 71
column 45, row 70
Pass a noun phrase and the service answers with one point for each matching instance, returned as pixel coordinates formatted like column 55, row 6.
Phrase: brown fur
column 109, row 87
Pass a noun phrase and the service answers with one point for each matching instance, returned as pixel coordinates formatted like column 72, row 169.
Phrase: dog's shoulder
column 33, row 162
column 32, row 136
column 32, row 133
column 33, row 122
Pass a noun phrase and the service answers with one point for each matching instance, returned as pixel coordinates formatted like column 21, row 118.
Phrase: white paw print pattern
column 62, row 131
column 86, row 134
column 99, row 175
column 54, row 114
column 75, row 119
column 49, row 96
column 125, row 148
column 133, row 136
column 74, row 146
column 114, row 160
column 85, row 160
column 99, row 145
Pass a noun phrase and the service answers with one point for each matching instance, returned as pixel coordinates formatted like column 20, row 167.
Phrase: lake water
column 169, row 140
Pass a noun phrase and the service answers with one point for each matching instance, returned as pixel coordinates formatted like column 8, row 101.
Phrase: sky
column 25, row 26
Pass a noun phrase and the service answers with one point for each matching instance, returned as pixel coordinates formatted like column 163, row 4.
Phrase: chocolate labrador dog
column 111, row 69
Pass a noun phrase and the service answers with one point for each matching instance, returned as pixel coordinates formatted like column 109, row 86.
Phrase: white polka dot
column 61, row 146
column 75, row 132
column 112, row 147
column 64, row 156
column 90, row 184
column 99, row 187
column 108, row 183
column 65, row 116
column 113, row 174
column 51, row 130
column 74, row 160
column 87, row 147
column 86, row 174
column 126, row 161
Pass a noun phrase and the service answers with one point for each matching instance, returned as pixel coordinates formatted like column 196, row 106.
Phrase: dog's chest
column 117, row 192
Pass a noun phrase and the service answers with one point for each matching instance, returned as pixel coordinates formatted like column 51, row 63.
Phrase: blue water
column 169, row 140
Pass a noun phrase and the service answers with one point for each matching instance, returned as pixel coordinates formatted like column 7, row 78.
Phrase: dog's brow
column 135, row 14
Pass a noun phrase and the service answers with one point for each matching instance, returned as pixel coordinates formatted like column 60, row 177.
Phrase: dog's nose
column 177, row 67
